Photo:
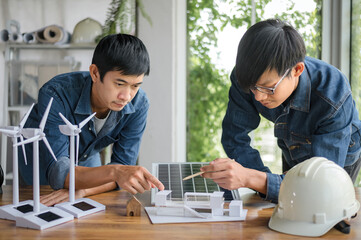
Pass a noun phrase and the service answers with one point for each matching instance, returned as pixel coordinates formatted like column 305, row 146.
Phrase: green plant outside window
column 356, row 58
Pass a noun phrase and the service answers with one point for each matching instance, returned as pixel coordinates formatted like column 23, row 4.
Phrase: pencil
column 197, row 174
column 192, row 176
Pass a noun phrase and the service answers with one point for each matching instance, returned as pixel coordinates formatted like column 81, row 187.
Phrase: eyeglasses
column 267, row 90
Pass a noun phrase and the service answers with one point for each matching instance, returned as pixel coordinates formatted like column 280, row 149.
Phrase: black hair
column 121, row 52
column 267, row 45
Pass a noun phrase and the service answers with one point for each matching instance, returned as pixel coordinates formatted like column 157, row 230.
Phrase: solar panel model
column 172, row 174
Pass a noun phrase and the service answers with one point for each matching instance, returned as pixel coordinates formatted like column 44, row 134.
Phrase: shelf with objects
column 27, row 68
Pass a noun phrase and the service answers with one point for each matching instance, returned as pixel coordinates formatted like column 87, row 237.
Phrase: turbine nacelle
column 16, row 131
column 11, row 131
column 31, row 132
column 73, row 130
column 64, row 129
column 37, row 134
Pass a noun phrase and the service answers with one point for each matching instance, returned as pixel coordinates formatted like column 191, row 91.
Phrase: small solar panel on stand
column 172, row 175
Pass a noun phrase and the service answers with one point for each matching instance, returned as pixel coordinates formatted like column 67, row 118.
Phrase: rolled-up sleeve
column 273, row 186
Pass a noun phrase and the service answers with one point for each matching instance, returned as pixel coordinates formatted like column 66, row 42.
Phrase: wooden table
column 114, row 224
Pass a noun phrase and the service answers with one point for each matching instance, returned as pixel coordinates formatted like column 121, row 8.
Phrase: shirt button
column 90, row 128
column 85, row 156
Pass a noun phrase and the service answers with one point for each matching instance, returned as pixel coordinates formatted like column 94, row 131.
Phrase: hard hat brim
column 307, row 229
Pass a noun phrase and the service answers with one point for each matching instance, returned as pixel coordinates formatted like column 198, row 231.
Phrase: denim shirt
column 71, row 93
column 318, row 119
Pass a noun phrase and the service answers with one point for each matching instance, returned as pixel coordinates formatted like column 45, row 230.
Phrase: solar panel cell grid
column 171, row 175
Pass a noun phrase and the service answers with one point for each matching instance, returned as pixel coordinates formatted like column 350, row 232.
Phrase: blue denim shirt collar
column 302, row 94
column 83, row 107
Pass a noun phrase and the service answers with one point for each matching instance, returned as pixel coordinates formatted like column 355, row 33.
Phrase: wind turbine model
column 16, row 209
column 82, row 206
column 49, row 216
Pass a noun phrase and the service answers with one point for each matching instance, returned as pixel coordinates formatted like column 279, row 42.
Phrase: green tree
column 356, row 53
column 207, row 85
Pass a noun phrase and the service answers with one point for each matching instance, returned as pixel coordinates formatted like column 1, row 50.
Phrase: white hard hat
column 86, row 31
column 314, row 196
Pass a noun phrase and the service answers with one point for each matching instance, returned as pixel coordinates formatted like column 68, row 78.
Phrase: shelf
column 19, row 108
column 52, row 46
column 26, row 70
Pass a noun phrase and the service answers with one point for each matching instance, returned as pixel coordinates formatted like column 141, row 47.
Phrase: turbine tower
column 40, row 219
column 83, row 206
column 15, row 209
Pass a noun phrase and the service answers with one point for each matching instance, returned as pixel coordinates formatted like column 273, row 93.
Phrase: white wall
column 35, row 14
column 164, row 138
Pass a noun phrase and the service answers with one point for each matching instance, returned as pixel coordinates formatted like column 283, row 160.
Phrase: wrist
column 112, row 172
column 257, row 181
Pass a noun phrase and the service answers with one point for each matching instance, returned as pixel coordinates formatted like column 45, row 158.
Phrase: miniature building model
column 235, row 208
column 193, row 201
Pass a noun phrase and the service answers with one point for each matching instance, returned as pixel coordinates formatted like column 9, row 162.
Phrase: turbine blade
column 8, row 131
column 49, row 147
column 77, row 150
column 29, row 140
column 67, row 122
column 23, row 146
column 45, row 116
column 86, row 120
column 23, row 121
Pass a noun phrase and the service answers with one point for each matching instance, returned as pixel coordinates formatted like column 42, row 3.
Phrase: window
column 356, row 52
column 356, row 59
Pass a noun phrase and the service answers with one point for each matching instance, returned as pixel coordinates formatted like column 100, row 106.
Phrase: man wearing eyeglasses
column 308, row 100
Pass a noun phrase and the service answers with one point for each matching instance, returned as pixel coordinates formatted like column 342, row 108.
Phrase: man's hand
column 227, row 173
column 231, row 175
column 60, row 196
column 135, row 179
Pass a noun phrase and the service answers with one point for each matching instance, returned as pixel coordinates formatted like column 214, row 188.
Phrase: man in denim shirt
column 111, row 88
column 308, row 100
